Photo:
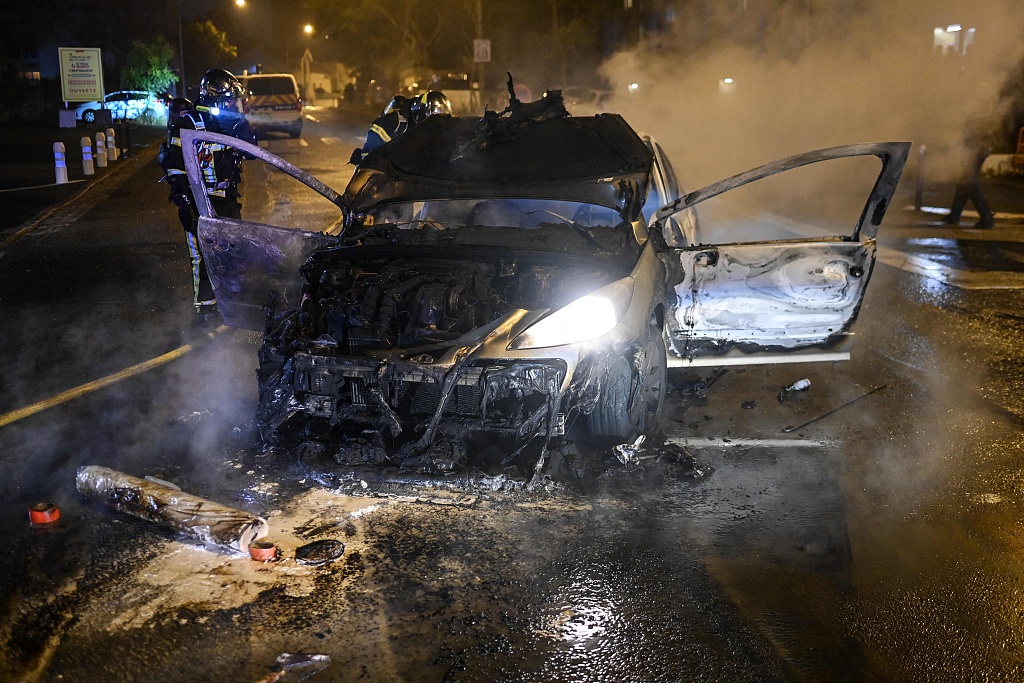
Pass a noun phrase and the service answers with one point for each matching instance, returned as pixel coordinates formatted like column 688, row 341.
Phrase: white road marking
column 986, row 498
column 941, row 211
column 40, row 187
column 331, row 141
column 964, row 279
column 303, row 143
column 728, row 442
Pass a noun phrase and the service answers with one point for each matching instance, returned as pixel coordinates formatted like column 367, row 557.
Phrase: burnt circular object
column 43, row 513
column 320, row 552
column 263, row 551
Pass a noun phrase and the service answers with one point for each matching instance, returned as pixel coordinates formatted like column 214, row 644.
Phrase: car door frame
column 710, row 319
column 246, row 259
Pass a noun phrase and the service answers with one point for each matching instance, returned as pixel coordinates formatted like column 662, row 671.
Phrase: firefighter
column 393, row 121
column 174, row 109
column 430, row 103
column 218, row 109
column 399, row 115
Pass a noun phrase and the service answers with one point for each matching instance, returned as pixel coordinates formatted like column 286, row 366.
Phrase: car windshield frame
column 594, row 160
column 551, row 225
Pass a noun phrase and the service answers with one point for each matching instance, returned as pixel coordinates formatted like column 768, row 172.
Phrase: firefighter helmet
column 177, row 105
column 220, row 88
column 398, row 103
column 430, row 103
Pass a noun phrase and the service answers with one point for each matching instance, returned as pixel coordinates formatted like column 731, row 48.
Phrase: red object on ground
column 262, row 551
column 43, row 513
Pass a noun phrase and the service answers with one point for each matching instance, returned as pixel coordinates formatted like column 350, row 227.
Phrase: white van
column 273, row 103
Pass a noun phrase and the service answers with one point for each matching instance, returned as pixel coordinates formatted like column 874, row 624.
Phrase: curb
column 135, row 162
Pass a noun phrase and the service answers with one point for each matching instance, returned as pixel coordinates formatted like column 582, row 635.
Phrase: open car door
column 790, row 297
column 246, row 259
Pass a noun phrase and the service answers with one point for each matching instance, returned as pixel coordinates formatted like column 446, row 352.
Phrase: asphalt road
column 881, row 542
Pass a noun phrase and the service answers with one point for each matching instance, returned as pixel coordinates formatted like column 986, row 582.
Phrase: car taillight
column 298, row 104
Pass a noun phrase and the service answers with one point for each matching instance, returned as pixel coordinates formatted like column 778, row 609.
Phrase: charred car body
column 510, row 275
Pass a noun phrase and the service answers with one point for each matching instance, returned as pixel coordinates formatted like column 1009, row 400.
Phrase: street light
column 181, row 44
column 306, row 63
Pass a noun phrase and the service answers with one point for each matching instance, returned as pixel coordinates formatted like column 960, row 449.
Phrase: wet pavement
column 879, row 542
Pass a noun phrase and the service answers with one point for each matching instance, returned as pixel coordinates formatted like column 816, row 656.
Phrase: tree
column 389, row 35
column 147, row 66
column 206, row 46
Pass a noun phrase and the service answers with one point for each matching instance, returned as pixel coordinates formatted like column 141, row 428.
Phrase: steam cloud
column 815, row 76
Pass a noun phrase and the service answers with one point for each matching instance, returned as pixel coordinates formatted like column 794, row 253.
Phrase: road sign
column 81, row 74
column 481, row 50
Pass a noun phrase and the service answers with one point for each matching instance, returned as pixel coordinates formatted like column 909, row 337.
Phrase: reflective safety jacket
column 385, row 129
column 221, row 166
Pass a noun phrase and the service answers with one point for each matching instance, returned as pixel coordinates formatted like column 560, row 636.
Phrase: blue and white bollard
column 101, row 149
column 60, row 163
column 111, row 146
column 87, row 167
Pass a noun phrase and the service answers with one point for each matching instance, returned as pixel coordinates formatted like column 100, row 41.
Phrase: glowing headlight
column 589, row 317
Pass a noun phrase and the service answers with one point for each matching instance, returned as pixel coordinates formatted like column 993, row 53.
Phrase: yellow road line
column 65, row 396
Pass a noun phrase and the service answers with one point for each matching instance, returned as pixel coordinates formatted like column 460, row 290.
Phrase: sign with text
column 481, row 50
column 81, row 74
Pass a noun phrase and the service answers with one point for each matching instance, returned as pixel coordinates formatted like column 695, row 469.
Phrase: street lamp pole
column 181, row 43
column 478, row 66
column 181, row 52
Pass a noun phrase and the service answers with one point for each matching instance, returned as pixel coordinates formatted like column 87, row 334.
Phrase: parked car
column 273, row 103
column 511, row 277
column 147, row 107
column 460, row 91
column 584, row 101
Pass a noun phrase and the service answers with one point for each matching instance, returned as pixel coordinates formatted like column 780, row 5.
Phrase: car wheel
column 632, row 397
column 148, row 118
column 295, row 131
column 89, row 116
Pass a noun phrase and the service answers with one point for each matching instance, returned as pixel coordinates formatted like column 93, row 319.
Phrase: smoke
column 816, row 77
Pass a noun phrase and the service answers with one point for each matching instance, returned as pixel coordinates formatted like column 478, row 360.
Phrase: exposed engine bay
column 394, row 304
column 384, row 342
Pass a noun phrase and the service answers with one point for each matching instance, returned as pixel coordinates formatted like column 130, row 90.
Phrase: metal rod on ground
column 60, row 163
column 787, row 430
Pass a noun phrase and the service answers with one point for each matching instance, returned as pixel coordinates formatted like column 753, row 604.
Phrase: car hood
column 597, row 160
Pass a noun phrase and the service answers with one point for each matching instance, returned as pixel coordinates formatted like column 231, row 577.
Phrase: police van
column 273, row 103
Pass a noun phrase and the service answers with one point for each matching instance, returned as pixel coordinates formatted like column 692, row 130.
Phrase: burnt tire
column 632, row 397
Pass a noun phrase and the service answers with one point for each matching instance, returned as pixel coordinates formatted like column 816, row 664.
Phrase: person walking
column 218, row 109
column 969, row 187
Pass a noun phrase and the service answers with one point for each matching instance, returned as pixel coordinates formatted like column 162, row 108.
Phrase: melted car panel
column 771, row 296
column 767, row 295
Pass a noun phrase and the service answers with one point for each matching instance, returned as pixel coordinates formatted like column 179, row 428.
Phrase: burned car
column 527, row 277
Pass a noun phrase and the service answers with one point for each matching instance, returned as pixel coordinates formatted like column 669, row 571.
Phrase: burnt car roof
column 597, row 160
